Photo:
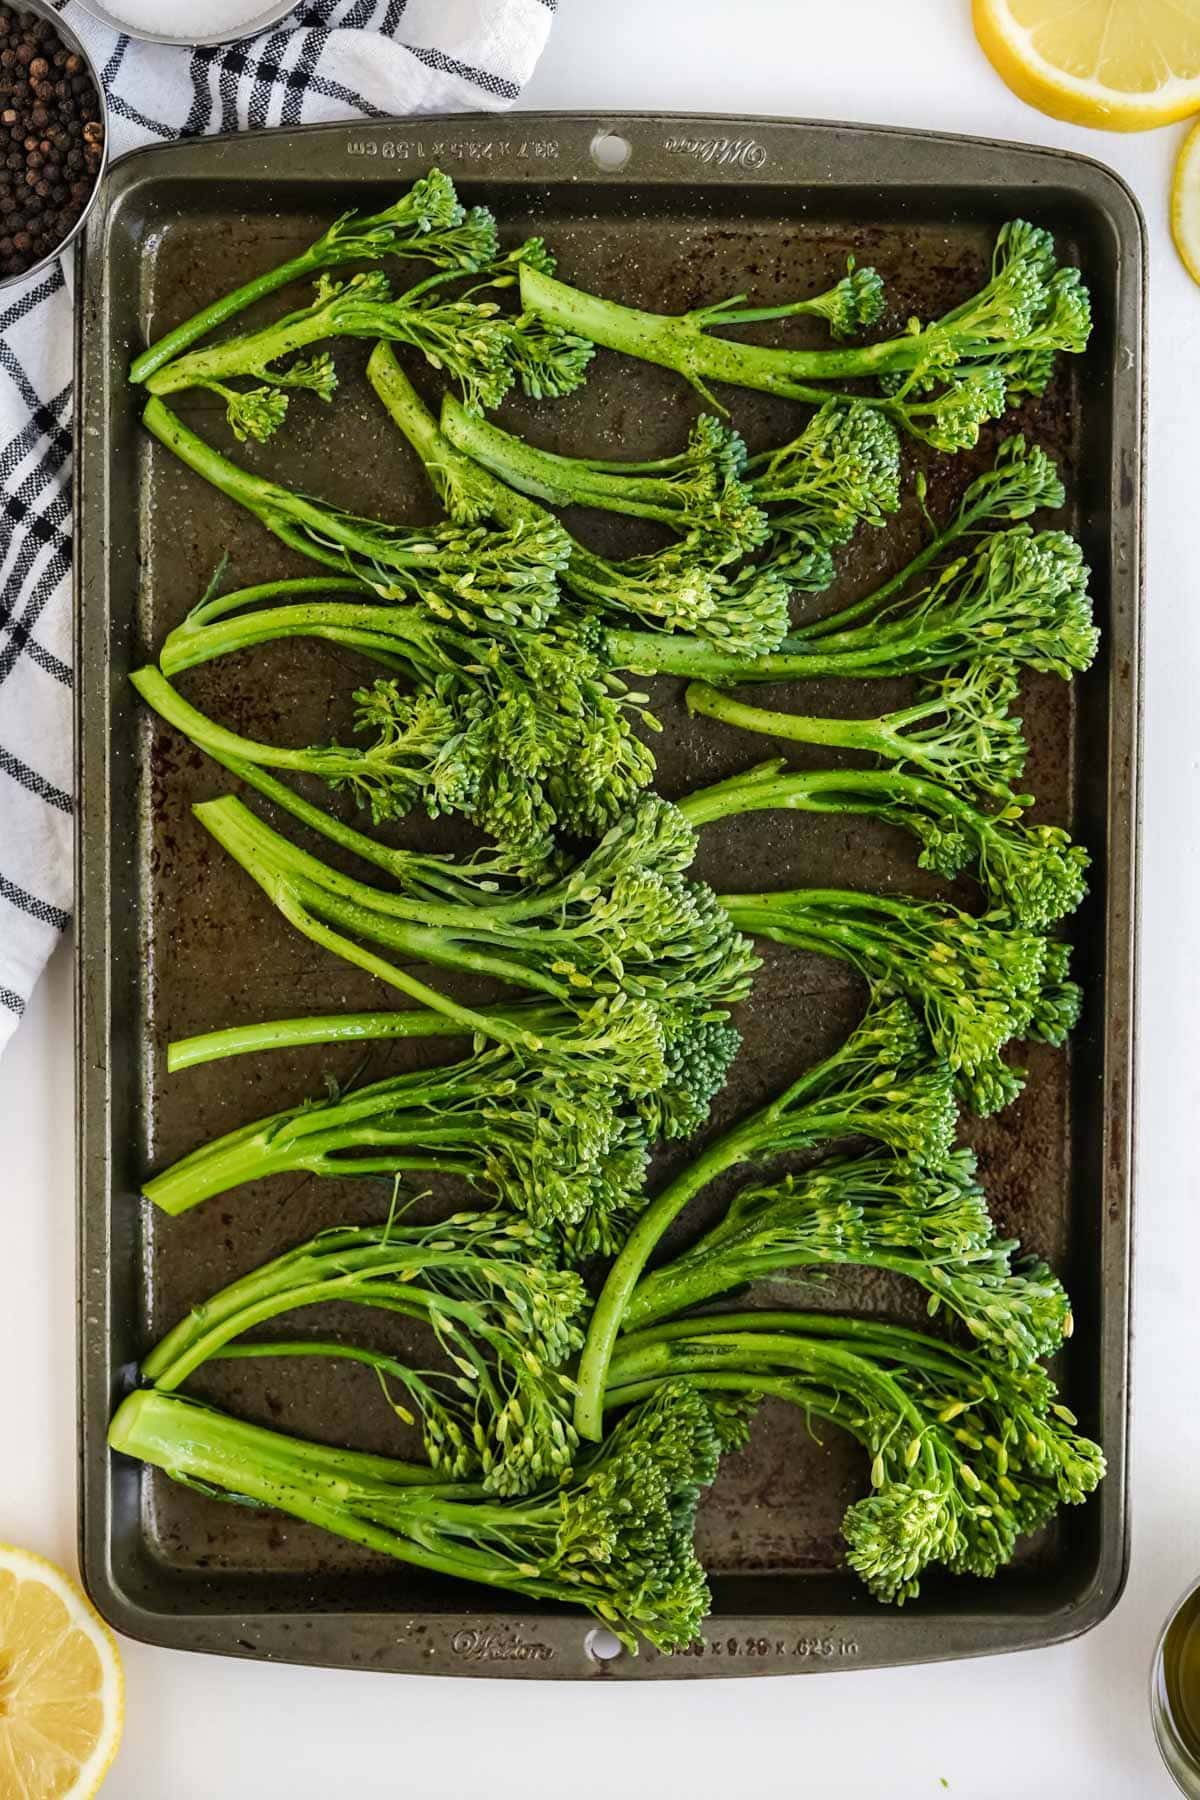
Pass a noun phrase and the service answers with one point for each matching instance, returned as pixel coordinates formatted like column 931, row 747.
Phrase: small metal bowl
column 69, row 38
column 263, row 18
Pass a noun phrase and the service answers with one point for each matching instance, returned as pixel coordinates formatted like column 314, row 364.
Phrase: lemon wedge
column 1185, row 203
column 62, row 1693
column 1121, row 65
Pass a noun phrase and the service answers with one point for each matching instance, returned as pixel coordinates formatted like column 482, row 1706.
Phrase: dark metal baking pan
column 173, row 939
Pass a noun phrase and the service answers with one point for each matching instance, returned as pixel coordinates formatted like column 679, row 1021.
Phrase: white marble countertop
column 1065, row 1722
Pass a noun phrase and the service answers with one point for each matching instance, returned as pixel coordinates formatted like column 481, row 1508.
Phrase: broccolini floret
column 977, row 982
column 616, row 1538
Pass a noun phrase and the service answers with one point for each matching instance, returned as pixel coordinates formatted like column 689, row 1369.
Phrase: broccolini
column 1032, row 872
column 929, row 1225
column 967, row 1454
column 958, row 730
column 940, row 381
column 976, row 981
column 882, row 1083
column 487, row 1287
column 616, row 1538
column 426, row 224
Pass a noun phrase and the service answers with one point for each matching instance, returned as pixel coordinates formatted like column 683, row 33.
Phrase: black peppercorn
column 51, row 138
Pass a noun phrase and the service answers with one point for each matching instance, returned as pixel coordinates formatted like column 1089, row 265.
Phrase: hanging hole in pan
column 611, row 151
column 602, row 1645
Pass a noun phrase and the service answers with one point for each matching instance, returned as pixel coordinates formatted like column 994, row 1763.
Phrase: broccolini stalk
column 959, row 730
column 977, row 982
column 500, row 1310
column 929, row 1225
column 843, row 470
column 967, row 1455
column 699, row 489
column 625, row 921
column 526, row 734
column 1020, row 598
column 426, row 224
column 696, row 1052
column 1021, row 481
column 1034, row 872
column 687, row 585
column 941, row 380
column 469, row 576
column 471, row 340
column 615, row 1539
column 849, row 307
column 882, row 1083
column 639, row 961
column 543, row 1141
column 338, row 1028
column 424, row 874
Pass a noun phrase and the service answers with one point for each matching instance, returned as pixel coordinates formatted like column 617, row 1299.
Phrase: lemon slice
column 1122, row 65
column 1185, row 203
column 61, row 1688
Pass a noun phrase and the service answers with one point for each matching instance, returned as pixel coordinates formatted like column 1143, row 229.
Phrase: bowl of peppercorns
column 53, row 137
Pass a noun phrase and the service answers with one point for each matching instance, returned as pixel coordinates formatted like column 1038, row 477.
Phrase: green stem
column 377, row 631
column 175, row 342
column 197, row 1444
column 558, row 480
column 877, row 736
column 650, row 653
column 299, row 586
column 445, row 465
column 360, row 1465
column 622, row 1279
column 681, row 344
column 247, row 354
column 186, row 1348
column 418, row 928
column 769, row 788
column 205, row 733
column 322, row 533
column 336, row 1028
column 397, row 863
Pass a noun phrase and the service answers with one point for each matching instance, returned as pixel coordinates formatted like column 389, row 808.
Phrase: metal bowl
column 264, row 17
column 69, row 38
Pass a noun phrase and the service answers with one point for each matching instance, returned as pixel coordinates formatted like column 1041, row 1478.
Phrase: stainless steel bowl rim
column 75, row 43
column 262, row 21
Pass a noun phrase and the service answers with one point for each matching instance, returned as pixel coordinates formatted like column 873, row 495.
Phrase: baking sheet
column 174, row 939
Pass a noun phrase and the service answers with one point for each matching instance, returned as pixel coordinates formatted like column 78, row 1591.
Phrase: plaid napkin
column 329, row 59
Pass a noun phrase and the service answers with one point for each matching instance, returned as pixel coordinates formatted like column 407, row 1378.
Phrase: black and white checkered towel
column 329, row 59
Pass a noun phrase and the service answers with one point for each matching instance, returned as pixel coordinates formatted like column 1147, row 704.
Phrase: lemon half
column 62, row 1693
column 1121, row 65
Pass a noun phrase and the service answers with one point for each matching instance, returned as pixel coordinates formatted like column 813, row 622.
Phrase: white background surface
column 1065, row 1722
